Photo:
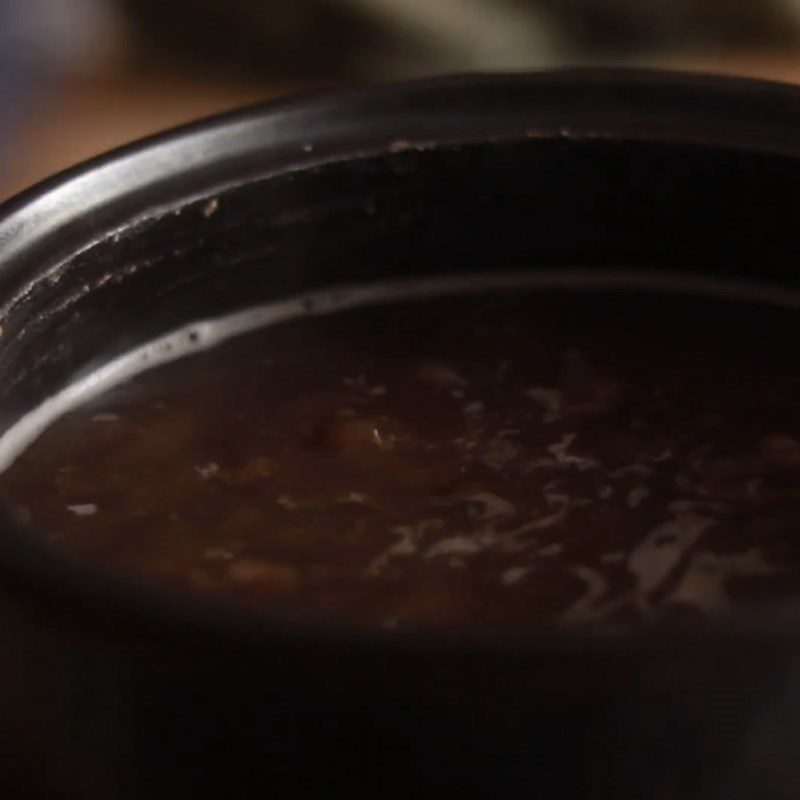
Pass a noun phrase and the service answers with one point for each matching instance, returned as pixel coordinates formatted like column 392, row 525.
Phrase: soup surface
column 572, row 457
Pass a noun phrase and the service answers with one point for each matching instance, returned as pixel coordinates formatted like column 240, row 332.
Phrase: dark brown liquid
column 557, row 457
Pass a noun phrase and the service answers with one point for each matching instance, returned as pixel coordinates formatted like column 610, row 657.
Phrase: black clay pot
column 109, row 691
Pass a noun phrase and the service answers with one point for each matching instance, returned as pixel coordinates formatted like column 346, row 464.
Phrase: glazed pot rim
column 299, row 132
column 302, row 130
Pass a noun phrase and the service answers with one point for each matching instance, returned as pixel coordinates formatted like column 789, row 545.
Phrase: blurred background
column 80, row 76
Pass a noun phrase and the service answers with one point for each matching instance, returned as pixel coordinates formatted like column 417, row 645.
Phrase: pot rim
column 298, row 132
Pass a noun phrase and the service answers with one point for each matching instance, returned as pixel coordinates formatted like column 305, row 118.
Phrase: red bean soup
column 572, row 456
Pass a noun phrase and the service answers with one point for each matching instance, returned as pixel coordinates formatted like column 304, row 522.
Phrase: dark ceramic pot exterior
column 116, row 691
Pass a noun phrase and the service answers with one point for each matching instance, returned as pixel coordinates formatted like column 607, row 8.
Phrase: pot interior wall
column 512, row 205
